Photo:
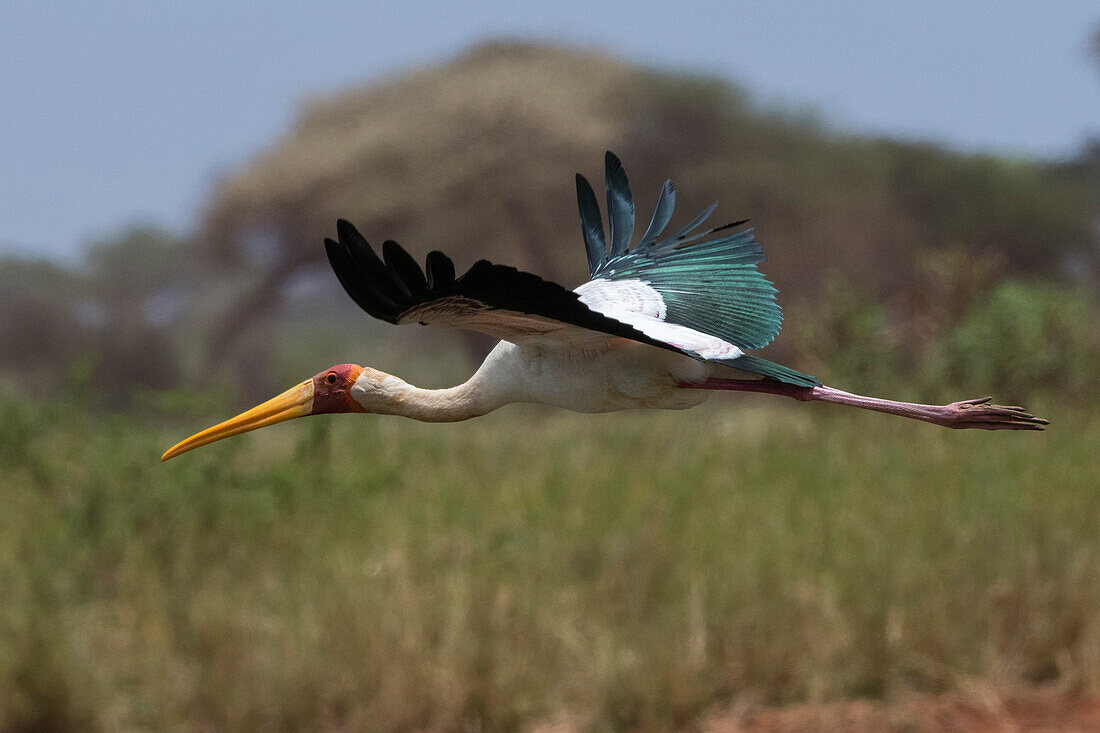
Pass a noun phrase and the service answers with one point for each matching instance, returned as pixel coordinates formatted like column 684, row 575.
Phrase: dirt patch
column 1035, row 711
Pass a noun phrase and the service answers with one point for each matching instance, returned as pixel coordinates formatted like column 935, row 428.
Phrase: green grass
column 630, row 570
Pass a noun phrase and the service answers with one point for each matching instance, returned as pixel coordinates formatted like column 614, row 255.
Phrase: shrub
column 1026, row 338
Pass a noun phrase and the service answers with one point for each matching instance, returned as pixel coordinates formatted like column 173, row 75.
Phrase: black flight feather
column 620, row 205
column 591, row 225
column 401, row 262
column 692, row 225
column 351, row 277
column 662, row 215
column 493, row 287
column 373, row 271
column 440, row 270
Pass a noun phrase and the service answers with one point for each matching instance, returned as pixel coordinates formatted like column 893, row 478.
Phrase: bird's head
column 327, row 392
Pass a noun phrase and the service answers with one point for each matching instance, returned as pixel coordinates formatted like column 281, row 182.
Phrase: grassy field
column 629, row 570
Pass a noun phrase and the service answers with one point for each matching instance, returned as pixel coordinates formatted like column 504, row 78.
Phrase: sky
column 115, row 113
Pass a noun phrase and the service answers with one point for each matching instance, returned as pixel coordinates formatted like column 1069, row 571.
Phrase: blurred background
column 926, row 182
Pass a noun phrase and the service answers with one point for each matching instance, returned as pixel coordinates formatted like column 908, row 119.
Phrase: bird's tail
column 770, row 369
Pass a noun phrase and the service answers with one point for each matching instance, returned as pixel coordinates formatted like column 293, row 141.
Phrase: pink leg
column 978, row 413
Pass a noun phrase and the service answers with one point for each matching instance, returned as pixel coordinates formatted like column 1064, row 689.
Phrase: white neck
column 385, row 394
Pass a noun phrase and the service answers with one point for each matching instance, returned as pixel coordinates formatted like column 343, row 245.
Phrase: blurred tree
column 105, row 323
column 135, row 286
column 41, row 323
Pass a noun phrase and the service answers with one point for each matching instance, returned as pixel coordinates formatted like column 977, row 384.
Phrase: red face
column 332, row 390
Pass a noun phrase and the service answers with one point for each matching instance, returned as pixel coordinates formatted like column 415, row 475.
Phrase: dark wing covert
column 495, row 299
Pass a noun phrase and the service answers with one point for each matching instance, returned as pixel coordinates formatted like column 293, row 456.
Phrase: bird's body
column 615, row 375
column 620, row 375
column 660, row 324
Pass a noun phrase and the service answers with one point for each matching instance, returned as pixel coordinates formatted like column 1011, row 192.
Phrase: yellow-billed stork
column 660, row 324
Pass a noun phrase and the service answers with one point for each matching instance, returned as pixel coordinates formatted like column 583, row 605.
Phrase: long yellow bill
column 295, row 402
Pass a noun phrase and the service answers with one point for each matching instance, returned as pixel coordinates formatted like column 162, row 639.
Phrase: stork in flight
column 660, row 324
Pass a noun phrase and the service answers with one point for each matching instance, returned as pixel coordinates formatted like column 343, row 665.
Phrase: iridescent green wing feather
column 707, row 279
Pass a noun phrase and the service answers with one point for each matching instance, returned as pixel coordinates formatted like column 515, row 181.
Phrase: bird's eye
column 331, row 379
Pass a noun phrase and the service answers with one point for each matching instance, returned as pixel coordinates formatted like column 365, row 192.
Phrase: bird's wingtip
column 344, row 228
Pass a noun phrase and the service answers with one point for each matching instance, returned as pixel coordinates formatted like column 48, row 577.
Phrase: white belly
column 627, row 375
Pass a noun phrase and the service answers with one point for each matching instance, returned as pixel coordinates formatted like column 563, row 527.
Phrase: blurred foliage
column 628, row 572
column 1027, row 338
column 847, row 333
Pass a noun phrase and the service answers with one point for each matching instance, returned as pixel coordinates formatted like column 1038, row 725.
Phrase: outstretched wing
column 708, row 283
column 708, row 302
column 704, row 282
column 501, row 301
